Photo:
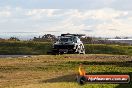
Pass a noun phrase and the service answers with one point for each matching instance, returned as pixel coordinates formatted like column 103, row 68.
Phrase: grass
column 47, row 71
column 108, row 49
column 68, row 85
column 24, row 47
column 41, row 48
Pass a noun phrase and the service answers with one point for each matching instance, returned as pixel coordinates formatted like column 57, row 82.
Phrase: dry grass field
column 49, row 71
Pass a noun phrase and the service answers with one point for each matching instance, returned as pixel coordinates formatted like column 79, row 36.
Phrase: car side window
column 75, row 40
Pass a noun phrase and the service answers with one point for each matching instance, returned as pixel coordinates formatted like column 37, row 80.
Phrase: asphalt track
column 14, row 56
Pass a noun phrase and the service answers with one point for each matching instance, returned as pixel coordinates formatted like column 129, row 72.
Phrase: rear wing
column 79, row 35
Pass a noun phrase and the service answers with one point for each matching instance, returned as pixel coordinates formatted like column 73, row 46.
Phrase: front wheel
column 81, row 50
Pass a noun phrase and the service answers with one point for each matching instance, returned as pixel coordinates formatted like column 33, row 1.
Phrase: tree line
column 53, row 38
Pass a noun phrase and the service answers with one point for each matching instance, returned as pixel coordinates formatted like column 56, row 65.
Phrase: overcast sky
column 93, row 17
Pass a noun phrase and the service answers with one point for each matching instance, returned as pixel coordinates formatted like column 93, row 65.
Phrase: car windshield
column 65, row 39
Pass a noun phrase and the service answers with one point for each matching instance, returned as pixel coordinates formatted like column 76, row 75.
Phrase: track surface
column 5, row 56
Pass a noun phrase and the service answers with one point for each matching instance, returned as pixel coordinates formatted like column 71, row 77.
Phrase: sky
column 101, row 18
